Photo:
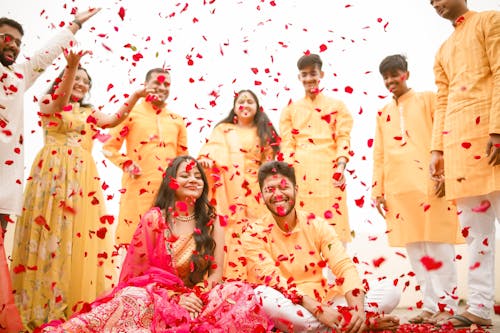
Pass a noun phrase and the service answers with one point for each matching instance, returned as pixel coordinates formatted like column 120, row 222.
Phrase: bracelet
column 78, row 23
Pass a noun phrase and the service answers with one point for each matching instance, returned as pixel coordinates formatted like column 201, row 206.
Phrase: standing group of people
column 263, row 212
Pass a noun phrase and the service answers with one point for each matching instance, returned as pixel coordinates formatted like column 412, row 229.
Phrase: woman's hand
column 192, row 303
column 73, row 58
column 206, row 162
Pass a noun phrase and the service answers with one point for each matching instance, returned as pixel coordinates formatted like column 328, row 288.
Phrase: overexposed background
column 215, row 48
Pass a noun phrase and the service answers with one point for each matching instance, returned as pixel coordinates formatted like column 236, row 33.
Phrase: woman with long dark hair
column 238, row 145
column 170, row 278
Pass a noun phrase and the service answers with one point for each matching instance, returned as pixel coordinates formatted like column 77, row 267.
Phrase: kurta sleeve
column 44, row 57
column 343, row 129
column 215, row 148
column 378, row 161
column 111, row 148
column 288, row 143
column 338, row 260
column 261, row 267
column 492, row 44
column 182, row 142
column 442, row 84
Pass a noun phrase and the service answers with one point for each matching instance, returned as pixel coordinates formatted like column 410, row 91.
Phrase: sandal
column 461, row 321
column 421, row 318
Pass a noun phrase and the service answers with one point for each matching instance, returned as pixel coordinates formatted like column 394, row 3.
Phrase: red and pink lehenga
column 151, row 281
column 10, row 321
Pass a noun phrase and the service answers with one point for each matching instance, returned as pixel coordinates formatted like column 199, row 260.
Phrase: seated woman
column 169, row 281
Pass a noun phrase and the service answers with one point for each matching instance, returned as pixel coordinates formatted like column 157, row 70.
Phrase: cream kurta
column 237, row 154
column 400, row 173
column 14, row 82
column 154, row 137
column 467, row 70
column 276, row 258
column 314, row 135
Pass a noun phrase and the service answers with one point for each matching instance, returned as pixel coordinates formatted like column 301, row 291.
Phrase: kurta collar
column 319, row 96
column 462, row 18
column 150, row 108
column 403, row 97
column 269, row 220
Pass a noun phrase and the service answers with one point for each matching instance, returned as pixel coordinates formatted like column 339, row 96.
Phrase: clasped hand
column 192, row 303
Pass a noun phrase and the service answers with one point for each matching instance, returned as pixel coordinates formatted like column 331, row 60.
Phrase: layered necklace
column 184, row 218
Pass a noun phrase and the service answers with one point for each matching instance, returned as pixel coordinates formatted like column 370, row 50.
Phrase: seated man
column 286, row 251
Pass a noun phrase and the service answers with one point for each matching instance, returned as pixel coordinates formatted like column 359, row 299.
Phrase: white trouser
column 437, row 285
column 287, row 315
column 481, row 250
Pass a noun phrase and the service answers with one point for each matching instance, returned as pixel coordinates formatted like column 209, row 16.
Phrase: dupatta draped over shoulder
column 146, row 297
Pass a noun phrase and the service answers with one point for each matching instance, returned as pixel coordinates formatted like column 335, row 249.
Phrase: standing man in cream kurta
column 467, row 124
column 315, row 132
column 417, row 218
column 154, row 137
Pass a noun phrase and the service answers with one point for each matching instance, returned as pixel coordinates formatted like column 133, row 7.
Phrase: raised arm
column 105, row 120
column 61, row 96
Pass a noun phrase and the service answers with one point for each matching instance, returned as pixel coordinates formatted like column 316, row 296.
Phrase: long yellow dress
column 63, row 250
column 237, row 154
column 467, row 70
column 315, row 133
column 400, row 173
column 153, row 138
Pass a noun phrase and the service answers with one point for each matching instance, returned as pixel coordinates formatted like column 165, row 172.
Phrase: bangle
column 78, row 23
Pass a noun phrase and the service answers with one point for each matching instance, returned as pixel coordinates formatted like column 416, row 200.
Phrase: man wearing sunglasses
column 15, row 79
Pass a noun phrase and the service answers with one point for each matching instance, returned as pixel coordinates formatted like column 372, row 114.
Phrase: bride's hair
column 204, row 214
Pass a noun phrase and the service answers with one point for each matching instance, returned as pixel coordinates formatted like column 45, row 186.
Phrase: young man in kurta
column 154, row 136
column 16, row 79
column 315, row 132
column 417, row 218
column 286, row 251
column 467, row 124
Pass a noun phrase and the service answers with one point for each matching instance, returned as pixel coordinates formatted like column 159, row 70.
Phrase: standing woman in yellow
column 63, row 251
column 237, row 147
column 315, row 133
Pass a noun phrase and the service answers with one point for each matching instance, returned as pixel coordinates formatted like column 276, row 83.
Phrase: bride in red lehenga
column 170, row 277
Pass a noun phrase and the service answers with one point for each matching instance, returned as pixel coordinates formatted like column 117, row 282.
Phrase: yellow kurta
column 237, row 154
column 275, row 257
column 401, row 174
column 153, row 138
column 63, row 250
column 467, row 70
column 315, row 133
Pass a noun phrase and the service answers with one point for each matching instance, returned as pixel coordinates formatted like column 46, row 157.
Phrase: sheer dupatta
column 148, row 259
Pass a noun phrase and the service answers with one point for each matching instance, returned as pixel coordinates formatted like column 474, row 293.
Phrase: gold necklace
column 183, row 218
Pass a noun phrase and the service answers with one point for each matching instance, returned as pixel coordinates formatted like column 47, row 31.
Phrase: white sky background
column 226, row 39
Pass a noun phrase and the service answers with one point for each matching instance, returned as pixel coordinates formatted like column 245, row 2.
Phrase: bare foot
column 437, row 317
column 382, row 323
column 422, row 317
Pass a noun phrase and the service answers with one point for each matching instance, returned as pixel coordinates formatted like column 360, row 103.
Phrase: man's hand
column 381, row 205
column 133, row 169
column 436, row 167
column 493, row 149
column 330, row 317
column 84, row 16
column 356, row 324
